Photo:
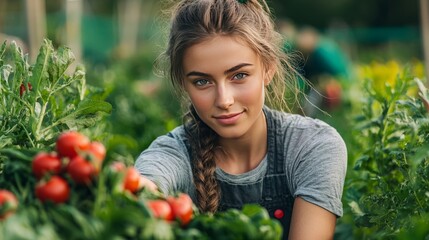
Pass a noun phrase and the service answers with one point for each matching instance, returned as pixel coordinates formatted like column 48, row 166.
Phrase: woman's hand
column 148, row 184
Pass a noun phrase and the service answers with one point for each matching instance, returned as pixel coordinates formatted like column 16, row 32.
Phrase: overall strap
column 276, row 195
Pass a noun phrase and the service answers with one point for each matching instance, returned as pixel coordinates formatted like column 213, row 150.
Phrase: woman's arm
column 310, row 221
column 166, row 165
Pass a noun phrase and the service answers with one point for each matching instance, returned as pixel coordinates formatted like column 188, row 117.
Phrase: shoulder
column 301, row 137
column 174, row 144
column 175, row 137
column 290, row 123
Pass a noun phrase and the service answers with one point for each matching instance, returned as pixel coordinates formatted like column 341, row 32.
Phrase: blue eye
column 201, row 82
column 239, row 76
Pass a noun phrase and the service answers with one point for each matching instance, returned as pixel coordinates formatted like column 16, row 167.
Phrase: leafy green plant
column 389, row 188
column 37, row 103
column 251, row 222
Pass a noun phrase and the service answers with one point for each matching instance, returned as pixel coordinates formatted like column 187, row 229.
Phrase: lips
column 226, row 116
column 227, row 119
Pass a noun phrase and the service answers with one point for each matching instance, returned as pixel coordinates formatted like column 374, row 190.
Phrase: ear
column 269, row 74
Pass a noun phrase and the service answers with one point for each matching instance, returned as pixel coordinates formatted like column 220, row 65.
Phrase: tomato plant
column 44, row 163
column 8, row 203
column 38, row 101
column 56, row 190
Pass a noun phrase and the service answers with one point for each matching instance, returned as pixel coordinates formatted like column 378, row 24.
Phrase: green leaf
column 360, row 161
column 5, row 72
column 354, row 206
column 16, row 153
column 39, row 70
column 84, row 111
column 157, row 229
column 59, row 62
column 255, row 212
column 21, row 69
column 74, row 224
column 79, row 76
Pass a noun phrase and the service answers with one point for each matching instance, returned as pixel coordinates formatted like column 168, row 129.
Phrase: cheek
column 252, row 92
column 200, row 100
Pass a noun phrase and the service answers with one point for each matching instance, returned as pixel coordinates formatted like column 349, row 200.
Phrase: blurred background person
column 323, row 64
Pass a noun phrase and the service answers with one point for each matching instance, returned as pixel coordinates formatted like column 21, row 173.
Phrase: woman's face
column 225, row 81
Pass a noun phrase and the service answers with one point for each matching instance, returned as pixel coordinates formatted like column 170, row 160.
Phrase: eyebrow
column 235, row 68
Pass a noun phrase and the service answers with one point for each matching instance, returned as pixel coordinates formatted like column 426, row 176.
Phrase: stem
column 39, row 123
column 100, row 194
column 43, row 131
column 417, row 199
column 28, row 135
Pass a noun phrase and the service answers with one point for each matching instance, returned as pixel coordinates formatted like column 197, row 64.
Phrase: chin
column 230, row 134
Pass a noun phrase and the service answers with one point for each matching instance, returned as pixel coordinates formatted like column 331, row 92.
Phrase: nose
column 224, row 96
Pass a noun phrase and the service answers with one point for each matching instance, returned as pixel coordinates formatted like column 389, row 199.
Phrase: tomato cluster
column 78, row 159
column 76, row 156
column 75, row 166
column 179, row 208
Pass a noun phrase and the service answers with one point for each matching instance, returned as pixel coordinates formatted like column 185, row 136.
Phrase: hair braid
column 203, row 141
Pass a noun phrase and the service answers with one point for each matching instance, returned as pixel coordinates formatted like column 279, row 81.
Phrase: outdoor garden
column 86, row 78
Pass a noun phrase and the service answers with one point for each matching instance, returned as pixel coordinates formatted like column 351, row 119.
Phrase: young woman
column 233, row 148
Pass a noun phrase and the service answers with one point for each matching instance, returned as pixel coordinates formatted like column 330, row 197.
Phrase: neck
column 241, row 155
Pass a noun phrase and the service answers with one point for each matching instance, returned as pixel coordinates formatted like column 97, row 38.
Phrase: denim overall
column 271, row 192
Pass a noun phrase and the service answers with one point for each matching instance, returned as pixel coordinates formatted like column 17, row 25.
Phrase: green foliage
column 50, row 102
column 142, row 107
column 252, row 222
column 37, row 103
column 98, row 211
column 41, row 100
column 388, row 193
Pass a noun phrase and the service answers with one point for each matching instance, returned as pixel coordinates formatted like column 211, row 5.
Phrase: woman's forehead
column 219, row 51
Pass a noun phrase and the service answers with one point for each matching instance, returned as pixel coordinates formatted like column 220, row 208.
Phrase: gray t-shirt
column 315, row 160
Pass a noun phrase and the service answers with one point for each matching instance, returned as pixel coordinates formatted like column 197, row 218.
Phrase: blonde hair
column 194, row 21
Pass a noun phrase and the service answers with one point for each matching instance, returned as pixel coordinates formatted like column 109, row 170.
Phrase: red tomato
column 98, row 150
column 46, row 163
column 22, row 88
column 132, row 180
column 182, row 208
column 161, row 209
column 8, row 204
column 81, row 170
column 55, row 189
column 69, row 144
